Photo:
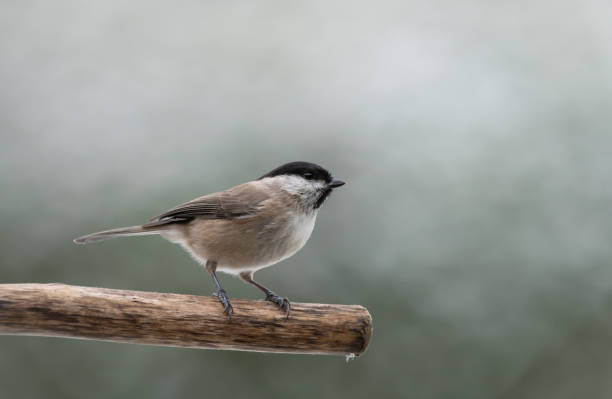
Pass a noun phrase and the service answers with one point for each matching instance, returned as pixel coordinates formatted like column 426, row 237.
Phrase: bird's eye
column 308, row 176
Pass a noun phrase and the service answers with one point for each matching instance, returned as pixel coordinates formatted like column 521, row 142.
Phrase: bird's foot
column 283, row 303
column 228, row 309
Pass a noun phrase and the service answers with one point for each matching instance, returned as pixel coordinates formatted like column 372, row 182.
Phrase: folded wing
column 238, row 202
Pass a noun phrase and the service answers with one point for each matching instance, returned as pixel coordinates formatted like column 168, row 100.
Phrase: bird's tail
column 120, row 232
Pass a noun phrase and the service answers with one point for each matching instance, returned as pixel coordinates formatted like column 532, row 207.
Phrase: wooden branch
column 181, row 320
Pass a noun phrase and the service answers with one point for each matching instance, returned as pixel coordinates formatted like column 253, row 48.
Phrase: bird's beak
column 336, row 183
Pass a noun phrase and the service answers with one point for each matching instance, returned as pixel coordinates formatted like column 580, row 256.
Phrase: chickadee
column 245, row 228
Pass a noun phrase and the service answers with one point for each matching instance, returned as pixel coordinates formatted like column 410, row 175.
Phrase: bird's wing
column 237, row 202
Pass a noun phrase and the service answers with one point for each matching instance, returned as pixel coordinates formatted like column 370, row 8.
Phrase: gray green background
column 475, row 225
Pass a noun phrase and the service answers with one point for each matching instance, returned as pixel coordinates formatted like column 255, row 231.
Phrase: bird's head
column 310, row 182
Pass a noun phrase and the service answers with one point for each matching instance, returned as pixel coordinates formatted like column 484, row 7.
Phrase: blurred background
column 475, row 226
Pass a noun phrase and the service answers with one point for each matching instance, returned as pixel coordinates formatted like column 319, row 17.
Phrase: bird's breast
column 283, row 237
column 300, row 231
column 249, row 244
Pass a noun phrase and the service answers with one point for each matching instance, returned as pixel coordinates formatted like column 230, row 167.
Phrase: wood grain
column 190, row 321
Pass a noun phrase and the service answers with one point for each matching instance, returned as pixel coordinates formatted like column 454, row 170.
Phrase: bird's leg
column 283, row 303
column 211, row 266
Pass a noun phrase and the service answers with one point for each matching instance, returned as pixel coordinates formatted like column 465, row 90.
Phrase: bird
column 245, row 228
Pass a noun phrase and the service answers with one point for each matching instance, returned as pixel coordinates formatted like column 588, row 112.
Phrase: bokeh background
column 476, row 223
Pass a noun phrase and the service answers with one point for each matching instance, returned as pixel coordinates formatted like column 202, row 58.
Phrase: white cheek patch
column 299, row 185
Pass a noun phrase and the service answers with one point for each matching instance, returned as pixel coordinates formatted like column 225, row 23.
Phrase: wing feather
column 240, row 201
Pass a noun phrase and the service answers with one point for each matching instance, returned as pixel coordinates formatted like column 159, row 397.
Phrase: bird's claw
column 227, row 305
column 283, row 303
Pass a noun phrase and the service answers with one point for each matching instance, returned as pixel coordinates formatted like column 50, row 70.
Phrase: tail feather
column 114, row 233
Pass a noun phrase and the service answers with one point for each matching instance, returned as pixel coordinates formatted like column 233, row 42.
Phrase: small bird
column 245, row 228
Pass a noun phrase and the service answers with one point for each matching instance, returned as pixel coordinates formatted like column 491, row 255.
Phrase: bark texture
column 67, row 311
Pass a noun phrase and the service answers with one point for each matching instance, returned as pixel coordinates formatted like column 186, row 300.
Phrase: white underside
column 301, row 229
column 295, row 237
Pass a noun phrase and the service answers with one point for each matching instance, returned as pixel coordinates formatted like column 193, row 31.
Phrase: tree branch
column 190, row 321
